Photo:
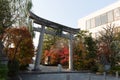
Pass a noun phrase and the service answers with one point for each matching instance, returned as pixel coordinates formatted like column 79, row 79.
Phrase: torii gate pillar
column 39, row 51
column 70, row 52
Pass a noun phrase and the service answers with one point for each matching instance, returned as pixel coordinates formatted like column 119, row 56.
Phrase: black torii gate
column 60, row 28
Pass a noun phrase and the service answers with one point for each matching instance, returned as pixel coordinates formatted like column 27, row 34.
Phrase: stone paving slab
column 47, row 68
column 67, row 76
column 52, row 73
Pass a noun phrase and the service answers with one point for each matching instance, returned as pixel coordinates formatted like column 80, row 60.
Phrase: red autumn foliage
column 52, row 54
column 57, row 55
column 64, row 55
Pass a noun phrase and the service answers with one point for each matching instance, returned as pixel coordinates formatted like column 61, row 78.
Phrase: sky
column 67, row 12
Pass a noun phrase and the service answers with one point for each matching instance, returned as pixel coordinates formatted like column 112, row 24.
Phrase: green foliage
column 49, row 40
column 91, row 47
column 5, row 15
column 81, row 34
column 3, row 71
column 100, row 68
column 14, row 12
column 29, row 5
column 114, row 69
column 13, row 70
column 13, row 67
column 94, row 68
column 19, row 11
column 59, row 31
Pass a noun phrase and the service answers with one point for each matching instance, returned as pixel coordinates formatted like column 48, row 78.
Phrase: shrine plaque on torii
column 60, row 28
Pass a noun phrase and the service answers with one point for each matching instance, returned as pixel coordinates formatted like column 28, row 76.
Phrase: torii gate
column 60, row 28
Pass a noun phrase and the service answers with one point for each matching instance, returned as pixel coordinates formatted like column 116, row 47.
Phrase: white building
column 101, row 18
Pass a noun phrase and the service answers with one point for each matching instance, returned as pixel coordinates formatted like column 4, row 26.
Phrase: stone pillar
column 71, row 52
column 39, row 49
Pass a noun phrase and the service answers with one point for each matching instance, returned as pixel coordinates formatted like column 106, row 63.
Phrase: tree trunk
column 3, row 57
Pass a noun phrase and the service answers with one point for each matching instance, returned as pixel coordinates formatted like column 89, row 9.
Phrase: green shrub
column 13, row 67
column 3, row 71
column 114, row 69
column 100, row 68
column 2, row 79
column 24, row 67
column 94, row 68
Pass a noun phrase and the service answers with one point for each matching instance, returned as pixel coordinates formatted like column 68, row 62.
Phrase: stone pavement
column 47, row 68
column 52, row 73
column 67, row 76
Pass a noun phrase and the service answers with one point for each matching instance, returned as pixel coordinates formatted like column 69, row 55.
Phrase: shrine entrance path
column 48, row 68
column 52, row 73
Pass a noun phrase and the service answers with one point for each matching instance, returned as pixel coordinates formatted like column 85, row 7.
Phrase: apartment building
column 95, row 22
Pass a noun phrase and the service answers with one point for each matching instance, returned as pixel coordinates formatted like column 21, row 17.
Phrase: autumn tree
column 19, row 45
column 106, row 45
column 14, row 13
column 49, row 43
column 9, row 16
column 49, row 40
column 54, row 48
column 79, row 51
column 19, row 50
column 84, row 51
column 64, row 55
column 91, row 55
column 79, row 54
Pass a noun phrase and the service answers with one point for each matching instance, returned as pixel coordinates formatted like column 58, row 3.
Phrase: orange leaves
column 54, row 58
column 18, row 44
column 64, row 55
column 57, row 55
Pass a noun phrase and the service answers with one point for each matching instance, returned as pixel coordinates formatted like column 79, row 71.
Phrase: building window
column 110, row 16
column 88, row 24
column 117, row 13
column 92, row 22
column 97, row 21
column 104, row 19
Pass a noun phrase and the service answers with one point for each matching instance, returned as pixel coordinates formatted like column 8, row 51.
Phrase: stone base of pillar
column 69, row 69
column 36, row 69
